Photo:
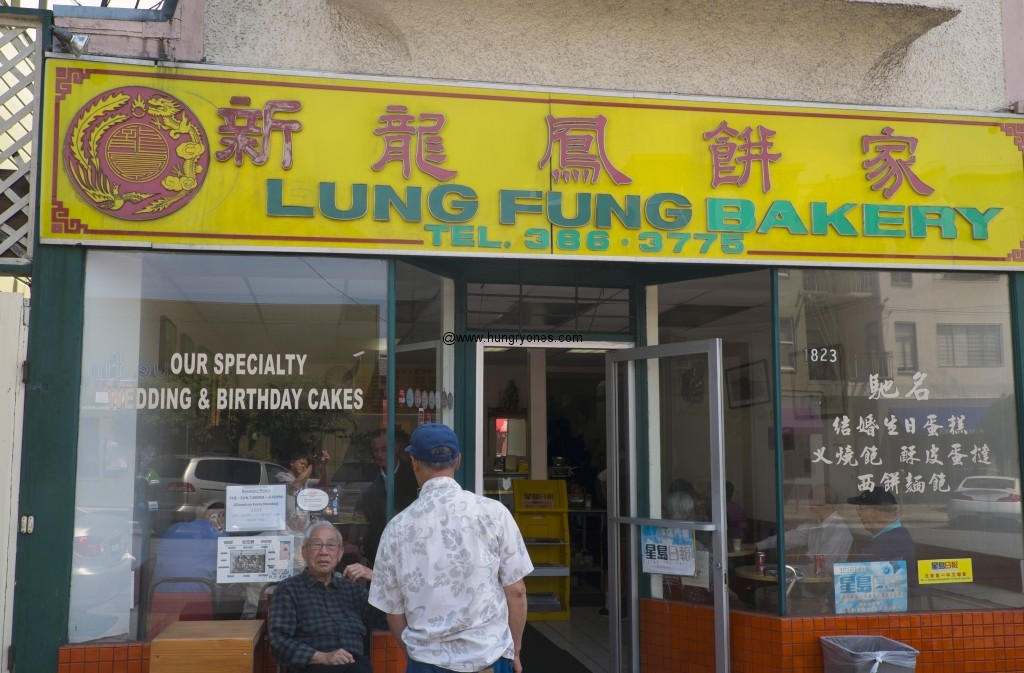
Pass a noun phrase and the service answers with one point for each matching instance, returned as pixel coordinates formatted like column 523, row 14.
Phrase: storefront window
column 735, row 308
column 421, row 395
column 424, row 393
column 901, row 400
column 201, row 375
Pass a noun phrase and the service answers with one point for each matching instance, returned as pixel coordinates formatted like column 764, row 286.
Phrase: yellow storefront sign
column 945, row 571
column 202, row 158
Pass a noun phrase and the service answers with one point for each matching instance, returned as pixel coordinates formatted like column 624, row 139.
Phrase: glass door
column 665, row 533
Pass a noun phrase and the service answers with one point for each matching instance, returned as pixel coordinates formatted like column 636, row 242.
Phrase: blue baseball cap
column 428, row 437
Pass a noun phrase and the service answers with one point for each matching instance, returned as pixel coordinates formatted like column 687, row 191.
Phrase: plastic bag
column 867, row 654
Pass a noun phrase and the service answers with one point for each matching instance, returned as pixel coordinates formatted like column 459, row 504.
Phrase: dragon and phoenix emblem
column 136, row 153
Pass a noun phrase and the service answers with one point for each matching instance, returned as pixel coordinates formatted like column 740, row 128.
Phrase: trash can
column 867, row 654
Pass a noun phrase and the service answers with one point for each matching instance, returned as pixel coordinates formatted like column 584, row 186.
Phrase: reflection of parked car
column 189, row 485
column 101, row 568
column 988, row 497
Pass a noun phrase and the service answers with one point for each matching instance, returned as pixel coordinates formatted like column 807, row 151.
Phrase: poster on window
column 945, row 571
column 255, row 508
column 874, row 586
column 667, row 551
column 267, row 558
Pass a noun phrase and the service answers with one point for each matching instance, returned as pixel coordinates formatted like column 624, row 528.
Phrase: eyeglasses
column 317, row 545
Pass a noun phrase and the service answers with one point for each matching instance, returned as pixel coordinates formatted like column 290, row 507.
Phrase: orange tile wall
column 134, row 657
column 677, row 637
column 120, row 658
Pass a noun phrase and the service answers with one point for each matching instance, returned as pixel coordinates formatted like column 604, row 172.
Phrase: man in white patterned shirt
column 449, row 570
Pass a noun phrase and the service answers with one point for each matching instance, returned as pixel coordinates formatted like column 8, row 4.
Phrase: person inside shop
column 319, row 619
column 300, row 469
column 735, row 517
column 890, row 540
column 681, row 506
column 188, row 549
column 702, row 500
column 562, row 443
column 672, row 504
column 585, row 474
column 374, row 502
column 827, row 534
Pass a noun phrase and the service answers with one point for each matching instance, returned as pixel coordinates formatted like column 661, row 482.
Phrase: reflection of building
column 928, row 347
column 408, row 220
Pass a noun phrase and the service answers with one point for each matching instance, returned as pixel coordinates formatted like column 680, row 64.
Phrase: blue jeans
column 500, row 666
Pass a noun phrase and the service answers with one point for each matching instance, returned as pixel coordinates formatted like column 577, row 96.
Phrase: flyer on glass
column 875, row 586
column 266, row 558
column 255, row 508
column 668, row 551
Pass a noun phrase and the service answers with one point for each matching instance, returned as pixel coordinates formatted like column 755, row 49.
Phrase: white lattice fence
column 20, row 68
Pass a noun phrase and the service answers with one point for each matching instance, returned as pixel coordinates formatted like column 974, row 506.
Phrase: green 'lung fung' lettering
column 453, row 213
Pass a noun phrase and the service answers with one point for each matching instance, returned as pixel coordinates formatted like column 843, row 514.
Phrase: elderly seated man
column 319, row 619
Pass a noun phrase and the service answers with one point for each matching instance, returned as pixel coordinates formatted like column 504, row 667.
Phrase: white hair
column 321, row 524
column 680, row 506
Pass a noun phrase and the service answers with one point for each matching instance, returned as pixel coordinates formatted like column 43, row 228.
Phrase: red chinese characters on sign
column 396, row 126
column 732, row 150
column 581, row 150
column 891, row 164
column 247, row 131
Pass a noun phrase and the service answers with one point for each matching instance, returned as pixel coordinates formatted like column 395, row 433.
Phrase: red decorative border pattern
column 1016, row 131
column 66, row 78
column 62, row 222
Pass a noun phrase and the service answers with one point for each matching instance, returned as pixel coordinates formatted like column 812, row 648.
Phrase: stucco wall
column 927, row 53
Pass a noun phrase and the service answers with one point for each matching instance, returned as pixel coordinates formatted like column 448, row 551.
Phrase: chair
column 266, row 595
column 809, row 600
column 171, row 606
column 263, row 603
column 792, row 575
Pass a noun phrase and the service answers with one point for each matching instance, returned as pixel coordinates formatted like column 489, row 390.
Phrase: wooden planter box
column 208, row 647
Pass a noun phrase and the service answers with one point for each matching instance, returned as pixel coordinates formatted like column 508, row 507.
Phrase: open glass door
column 664, row 402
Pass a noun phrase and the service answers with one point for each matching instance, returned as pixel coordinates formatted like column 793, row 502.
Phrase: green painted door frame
column 49, row 458
column 1017, row 339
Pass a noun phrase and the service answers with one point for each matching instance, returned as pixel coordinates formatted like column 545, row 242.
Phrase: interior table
column 805, row 576
column 812, row 595
column 745, row 550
